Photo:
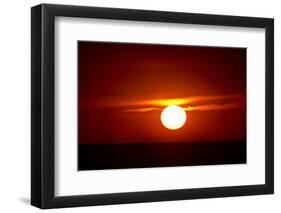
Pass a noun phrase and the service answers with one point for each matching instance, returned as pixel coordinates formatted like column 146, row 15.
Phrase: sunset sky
column 124, row 87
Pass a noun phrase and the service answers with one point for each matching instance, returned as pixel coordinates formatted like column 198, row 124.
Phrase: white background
column 70, row 182
column 15, row 106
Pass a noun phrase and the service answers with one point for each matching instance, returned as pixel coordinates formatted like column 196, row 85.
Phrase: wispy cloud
column 197, row 103
column 193, row 108
column 165, row 101
column 141, row 109
column 192, row 103
column 214, row 107
column 149, row 102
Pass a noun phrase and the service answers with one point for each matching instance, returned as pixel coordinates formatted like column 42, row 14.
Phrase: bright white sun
column 173, row 117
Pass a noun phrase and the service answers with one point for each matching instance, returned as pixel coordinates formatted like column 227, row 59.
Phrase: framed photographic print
column 140, row 106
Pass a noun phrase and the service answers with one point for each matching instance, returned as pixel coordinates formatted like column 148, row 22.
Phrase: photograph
column 135, row 105
column 144, row 105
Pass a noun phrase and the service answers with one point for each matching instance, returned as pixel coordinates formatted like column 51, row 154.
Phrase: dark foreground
column 141, row 155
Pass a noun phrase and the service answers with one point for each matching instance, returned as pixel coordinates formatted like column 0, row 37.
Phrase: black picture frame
column 43, row 110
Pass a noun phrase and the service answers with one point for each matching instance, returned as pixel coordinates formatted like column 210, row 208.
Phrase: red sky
column 123, row 88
